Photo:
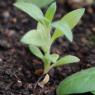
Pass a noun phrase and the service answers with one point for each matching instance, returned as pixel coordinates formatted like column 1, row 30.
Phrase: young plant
column 39, row 40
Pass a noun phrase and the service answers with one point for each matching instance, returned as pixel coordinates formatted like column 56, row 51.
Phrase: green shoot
column 39, row 40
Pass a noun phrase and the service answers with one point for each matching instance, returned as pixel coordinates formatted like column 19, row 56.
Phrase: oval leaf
column 36, row 51
column 31, row 10
column 73, row 17
column 50, row 12
column 64, row 29
column 81, row 82
column 66, row 60
column 32, row 37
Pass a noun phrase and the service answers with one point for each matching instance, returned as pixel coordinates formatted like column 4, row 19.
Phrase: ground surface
column 19, row 69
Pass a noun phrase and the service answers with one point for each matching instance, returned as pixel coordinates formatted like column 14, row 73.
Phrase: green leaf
column 56, row 35
column 64, row 29
column 26, row 1
column 39, row 37
column 45, row 36
column 53, row 57
column 31, row 10
column 66, row 60
column 50, row 12
column 80, row 82
column 32, row 37
column 36, row 51
column 39, row 3
column 42, row 3
column 73, row 17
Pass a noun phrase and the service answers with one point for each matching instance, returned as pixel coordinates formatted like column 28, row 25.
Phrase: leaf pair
column 80, row 82
column 56, row 61
column 54, row 58
column 66, row 60
column 35, row 11
column 67, row 23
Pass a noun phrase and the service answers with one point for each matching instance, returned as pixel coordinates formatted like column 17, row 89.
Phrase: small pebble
column 6, row 14
column 93, row 29
column 4, row 44
column 19, row 83
column 1, row 60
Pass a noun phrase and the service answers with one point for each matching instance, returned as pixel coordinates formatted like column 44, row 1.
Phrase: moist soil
column 20, row 70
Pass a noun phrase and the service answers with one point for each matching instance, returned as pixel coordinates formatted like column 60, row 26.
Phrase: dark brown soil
column 20, row 70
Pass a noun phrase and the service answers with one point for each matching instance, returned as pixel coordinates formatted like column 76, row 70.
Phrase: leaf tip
column 77, row 59
column 14, row 4
column 54, row 4
column 81, row 10
column 71, row 39
column 22, row 40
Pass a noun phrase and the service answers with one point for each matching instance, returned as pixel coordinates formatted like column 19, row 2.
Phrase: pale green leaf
column 32, row 37
column 31, row 10
column 39, row 37
column 53, row 57
column 80, row 82
column 39, row 3
column 44, row 35
column 66, row 60
column 50, row 12
column 73, row 17
column 56, row 35
column 63, row 29
column 36, row 51
column 26, row 1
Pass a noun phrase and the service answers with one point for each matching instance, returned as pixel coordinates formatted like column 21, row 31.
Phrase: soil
column 20, row 70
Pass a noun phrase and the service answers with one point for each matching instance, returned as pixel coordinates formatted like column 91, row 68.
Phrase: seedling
column 39, row 40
